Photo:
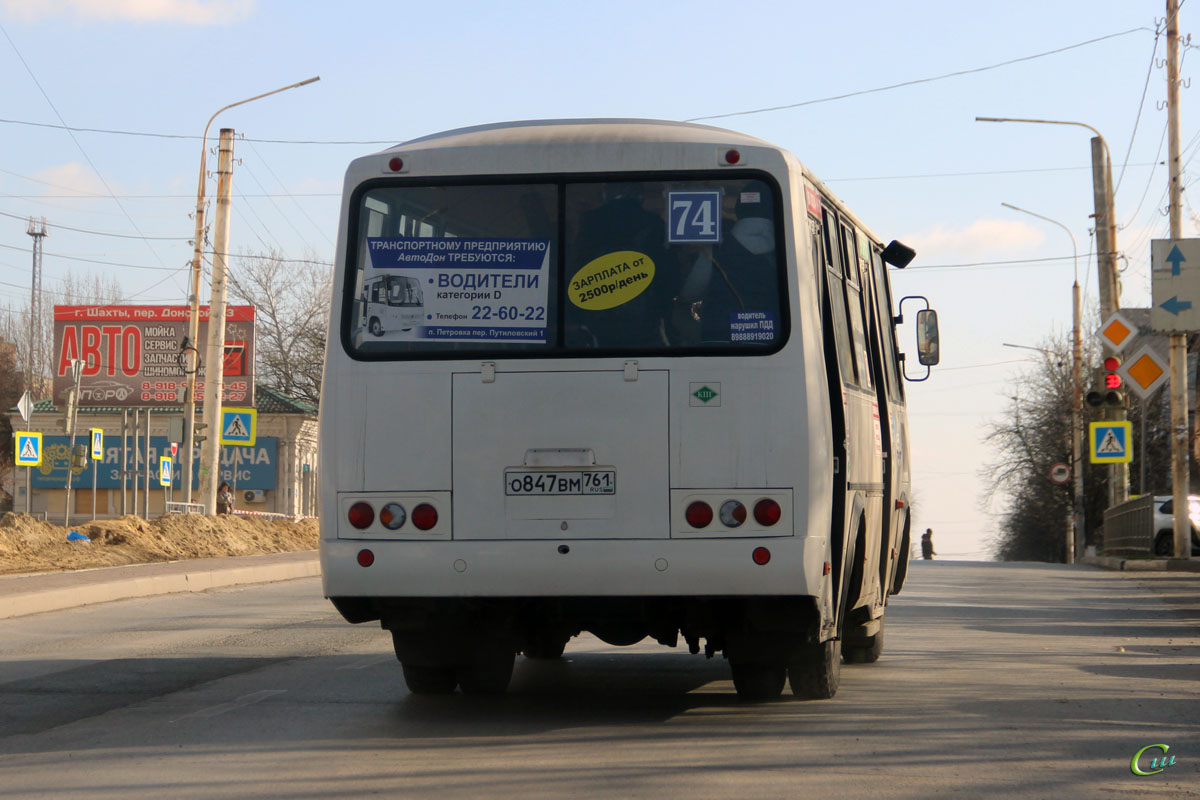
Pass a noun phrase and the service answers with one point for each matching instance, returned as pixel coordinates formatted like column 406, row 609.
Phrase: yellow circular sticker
column 611, row 280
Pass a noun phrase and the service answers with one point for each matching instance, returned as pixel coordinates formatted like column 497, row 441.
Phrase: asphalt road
column 997, row 681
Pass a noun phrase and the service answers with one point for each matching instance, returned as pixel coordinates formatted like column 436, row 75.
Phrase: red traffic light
column 1112, row 363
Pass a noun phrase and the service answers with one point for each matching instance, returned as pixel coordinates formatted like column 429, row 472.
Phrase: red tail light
column 761, row 556
column 699, row 514
column 365, row 558
column 361, row 515
column 424, row 516
column 767, row 512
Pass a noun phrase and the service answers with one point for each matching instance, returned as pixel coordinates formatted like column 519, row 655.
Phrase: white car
column 1164, row 524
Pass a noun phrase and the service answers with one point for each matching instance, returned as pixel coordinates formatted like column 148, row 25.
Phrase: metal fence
column 1129, row 527
column 185, row 508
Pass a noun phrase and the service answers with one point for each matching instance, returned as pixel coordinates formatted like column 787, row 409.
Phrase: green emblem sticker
column 704, row 394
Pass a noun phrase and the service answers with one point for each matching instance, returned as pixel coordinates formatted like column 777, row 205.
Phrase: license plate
column 564, row 482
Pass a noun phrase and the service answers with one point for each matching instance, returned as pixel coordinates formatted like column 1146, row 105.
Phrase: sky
column 879, row 102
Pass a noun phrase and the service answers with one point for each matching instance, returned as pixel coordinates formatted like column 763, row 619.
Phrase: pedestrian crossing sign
column 1110, row 442
column 97, row 444
column 29, row 448
column 238, row 425
column 164, row 471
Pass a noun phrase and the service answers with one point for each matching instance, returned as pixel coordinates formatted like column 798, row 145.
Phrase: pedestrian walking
column 927, row 545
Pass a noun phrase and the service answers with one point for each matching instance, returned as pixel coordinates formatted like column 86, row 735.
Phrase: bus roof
column 575, row 130
column 606, row 130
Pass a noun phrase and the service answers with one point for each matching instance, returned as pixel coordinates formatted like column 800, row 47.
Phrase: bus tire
column 487, row 677
column 902, row 558
column 425, row 679
column 817, row 671
column 758, row 683
column 546, row 648
column 867, row 653
column 375, row 327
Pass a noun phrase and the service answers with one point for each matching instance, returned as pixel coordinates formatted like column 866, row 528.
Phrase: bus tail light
column 424, row 516
column 761, row 556
column 699, row 514
column 732, row 513
column 393, row 516
column 361, row 515
column 767, row 512
column 365, row 558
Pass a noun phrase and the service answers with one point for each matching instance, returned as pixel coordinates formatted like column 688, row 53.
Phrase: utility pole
column 191, row 355
column 1109, row 284
column 36, row 229
column 214, row 372
column 1180, row 479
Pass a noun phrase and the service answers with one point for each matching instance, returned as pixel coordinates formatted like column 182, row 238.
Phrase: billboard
column 250, row 467
column 132, row 355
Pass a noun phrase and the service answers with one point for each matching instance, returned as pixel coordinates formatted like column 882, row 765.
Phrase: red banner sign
column 133, row 355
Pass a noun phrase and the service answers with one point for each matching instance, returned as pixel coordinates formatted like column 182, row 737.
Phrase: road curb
column 1143, row 564
column 21, row 595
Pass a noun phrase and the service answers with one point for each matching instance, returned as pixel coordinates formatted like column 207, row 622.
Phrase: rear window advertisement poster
column 456, row 289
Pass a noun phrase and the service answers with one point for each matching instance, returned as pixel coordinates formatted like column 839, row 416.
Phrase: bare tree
column 292, row 310
column 71, row 290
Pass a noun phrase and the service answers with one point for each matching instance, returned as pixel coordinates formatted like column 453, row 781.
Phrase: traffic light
column 197, row 438
column 67, row 423
column 1111, row 391
column 79, row 457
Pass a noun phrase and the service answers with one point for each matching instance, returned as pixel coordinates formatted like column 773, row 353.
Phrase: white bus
column 655, row 392
column 391, row 303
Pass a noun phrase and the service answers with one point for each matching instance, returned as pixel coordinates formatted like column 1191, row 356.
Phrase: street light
column 1075, row 534
column 1106, row 221
column 191, row 353
column 1106, row 263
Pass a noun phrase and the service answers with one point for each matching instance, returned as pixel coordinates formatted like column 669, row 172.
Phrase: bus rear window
column 568, row 268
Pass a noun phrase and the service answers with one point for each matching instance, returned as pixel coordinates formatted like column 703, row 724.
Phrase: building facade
column 277, row 474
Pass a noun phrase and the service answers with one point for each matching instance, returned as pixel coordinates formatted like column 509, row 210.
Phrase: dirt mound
column 30, row 545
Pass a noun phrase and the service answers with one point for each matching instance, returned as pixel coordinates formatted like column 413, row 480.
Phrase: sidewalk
column 50, row 591
column 1143, row 564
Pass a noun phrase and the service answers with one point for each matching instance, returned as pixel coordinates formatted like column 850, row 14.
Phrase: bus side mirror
column 928, row 351
column 928, row 343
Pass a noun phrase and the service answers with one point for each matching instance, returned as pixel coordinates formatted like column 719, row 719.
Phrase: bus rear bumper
column 575, row 568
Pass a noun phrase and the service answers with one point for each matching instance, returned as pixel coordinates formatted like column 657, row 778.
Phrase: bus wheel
column 490, row 676
column 547, row 647
column 865, row 653
column 817, row 671
column 757, row 683
column 375, row 326
column 424, row 679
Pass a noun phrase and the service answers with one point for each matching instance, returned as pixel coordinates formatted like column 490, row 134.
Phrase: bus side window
column 887, row 330
column 854, row 304
column 837, row 301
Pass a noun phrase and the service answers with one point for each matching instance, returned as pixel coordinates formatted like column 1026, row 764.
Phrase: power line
column 919, row 80
column 99, row 233
column 74, row 139
column 91, row 260
column 968, row 174
column 1011, row 262
column 149, row 134
column 1138, row 118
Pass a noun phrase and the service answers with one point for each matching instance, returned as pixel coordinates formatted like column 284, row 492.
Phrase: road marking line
column 241, row 702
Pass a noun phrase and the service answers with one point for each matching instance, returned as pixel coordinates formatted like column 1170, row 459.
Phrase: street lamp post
column 1075, row 532
column 191, row 351
column 1106, row 259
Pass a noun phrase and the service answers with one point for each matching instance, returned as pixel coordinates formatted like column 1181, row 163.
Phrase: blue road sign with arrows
column 1174, row 305
column 1175, row 285
column 1175, row 258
